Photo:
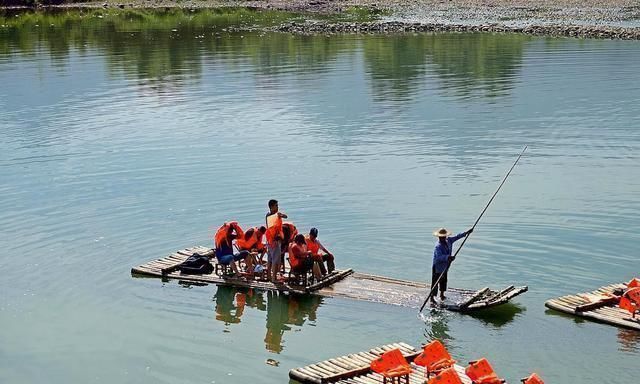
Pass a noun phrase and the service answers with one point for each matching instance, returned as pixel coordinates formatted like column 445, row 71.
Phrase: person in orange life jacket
column 289, row 232
column 301, row 259
column 441, row 260
column 314, row 246
column 224, row 246
column 274, row 239
column 251, row 241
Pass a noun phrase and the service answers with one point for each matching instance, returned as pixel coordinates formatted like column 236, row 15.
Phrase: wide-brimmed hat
column 442, row 232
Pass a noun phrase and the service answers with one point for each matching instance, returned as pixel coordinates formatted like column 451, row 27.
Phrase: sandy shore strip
column 613, row 19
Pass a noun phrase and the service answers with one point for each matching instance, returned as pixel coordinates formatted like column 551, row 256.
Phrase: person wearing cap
column 441, row 260
column 301, row 259
column 314, row 246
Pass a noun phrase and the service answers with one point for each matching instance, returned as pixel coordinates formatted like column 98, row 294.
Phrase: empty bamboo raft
column 355, row 368
column 596, row 305
column 368, row 287
column 345, row 283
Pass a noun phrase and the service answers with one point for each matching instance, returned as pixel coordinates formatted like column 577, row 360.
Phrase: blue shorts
column 274, row 253
column 227, row 259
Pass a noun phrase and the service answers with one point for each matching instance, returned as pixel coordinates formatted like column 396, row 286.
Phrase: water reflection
column 437, row 327
column 629, row 340
column 466, row 64
column 230, row 304
column 395, row 64
column 168, row 49
column 469, row 64
column 437, row 320
column 500, row 315
column 283, row 311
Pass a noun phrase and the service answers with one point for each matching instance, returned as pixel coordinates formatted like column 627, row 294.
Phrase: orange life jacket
column 634, row 283
column 633, row 294
column 294, row 259
column 533, row 379
column 254, row 240
column 314, row 247
column 223, row 232
column 630, row 300
column 274, row 228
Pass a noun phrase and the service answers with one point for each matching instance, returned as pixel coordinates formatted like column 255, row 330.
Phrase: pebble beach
column 611, row 19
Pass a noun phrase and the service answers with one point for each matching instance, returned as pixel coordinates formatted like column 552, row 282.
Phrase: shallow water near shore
column 124, row 138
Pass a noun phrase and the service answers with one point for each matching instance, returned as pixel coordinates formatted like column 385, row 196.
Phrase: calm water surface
column 124, row 138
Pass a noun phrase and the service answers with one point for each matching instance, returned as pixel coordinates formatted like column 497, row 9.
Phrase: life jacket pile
column 630, row 299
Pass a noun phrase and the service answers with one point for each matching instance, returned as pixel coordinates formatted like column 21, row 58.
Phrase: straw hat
column 442, row 232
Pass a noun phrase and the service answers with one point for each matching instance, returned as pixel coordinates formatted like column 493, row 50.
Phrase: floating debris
column 273, row 362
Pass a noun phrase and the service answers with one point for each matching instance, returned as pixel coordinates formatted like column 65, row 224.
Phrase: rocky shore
column 609, row 19
column 602, row 32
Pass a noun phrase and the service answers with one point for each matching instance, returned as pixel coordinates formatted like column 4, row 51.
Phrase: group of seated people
column 305, row 253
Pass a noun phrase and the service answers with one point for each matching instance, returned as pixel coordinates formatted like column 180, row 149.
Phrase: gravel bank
column 582, row 31
column 613, row 19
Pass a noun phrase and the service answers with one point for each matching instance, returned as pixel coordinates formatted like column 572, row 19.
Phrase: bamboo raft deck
column 355, row 368
column 597, row 305
column 340, row 283
column 375, row 288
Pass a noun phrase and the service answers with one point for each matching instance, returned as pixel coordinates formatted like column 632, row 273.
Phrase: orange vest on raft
column 633, row 294
column 274, row 228
column 295, row 259
column 253, row 242
column 630, row 300
column 314, row 247
column 223, row 231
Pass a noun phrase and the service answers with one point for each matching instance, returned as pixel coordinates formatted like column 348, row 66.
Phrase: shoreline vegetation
column 608, row 19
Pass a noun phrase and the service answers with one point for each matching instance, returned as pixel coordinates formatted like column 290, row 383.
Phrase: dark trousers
column 442, row 284
column 330, row 264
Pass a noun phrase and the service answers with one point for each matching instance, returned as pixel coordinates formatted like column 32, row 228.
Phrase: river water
column 124, row 137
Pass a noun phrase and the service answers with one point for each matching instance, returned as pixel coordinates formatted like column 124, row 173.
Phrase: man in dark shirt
column 441, row 260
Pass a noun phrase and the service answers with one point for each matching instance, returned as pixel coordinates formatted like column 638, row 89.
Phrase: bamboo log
column 598, row 304
column 324, row 282
column 473, row 298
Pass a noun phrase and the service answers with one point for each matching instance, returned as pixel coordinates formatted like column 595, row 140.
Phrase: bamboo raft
column 167, row 268
column 340, row 283
column 355, row 368
column 598, row 305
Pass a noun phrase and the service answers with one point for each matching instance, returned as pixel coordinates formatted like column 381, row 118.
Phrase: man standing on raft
column 441, row 260
column 275, row 236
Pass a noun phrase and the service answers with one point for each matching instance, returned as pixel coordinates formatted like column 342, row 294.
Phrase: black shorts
column 443, row 281
column 305, row 266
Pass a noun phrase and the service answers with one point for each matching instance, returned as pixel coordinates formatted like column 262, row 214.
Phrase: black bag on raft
column 196, row 264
